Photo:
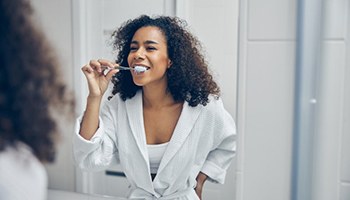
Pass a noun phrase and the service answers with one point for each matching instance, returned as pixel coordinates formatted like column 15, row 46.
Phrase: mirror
column 96, row 28
column 86, row 29
column 259, row 41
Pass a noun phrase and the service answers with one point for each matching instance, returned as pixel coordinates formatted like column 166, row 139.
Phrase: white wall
column 54, row 17
column 265, row 98
column 215, row 23
column 332, row 138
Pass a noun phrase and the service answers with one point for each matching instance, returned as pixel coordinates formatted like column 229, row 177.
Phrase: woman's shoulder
column 19, row 166
column 116, row 103
column 214, row 104
column 22, row 157
column 117, row 99
column 111, row 101
column 217, row 113
column 216, row 109
column 212, row 109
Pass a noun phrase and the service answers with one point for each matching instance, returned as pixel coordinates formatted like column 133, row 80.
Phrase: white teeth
column 140, row 69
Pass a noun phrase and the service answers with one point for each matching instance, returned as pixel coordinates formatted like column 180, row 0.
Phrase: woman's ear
column 169, row 63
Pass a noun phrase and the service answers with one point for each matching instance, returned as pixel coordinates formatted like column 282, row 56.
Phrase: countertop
column 60, row 194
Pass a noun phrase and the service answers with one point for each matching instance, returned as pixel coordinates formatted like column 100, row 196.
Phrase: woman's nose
column 139, row 54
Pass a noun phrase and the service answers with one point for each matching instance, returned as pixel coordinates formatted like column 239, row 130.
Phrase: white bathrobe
column 203, row 140
column 22, row 175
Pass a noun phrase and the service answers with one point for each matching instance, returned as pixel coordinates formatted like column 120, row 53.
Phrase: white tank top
column 155, row 154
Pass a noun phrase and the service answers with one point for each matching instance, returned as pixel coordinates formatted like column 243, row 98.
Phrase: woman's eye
column 133, row 48
column 151, row 48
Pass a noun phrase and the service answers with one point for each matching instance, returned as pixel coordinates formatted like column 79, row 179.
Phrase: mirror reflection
column 168, row 113
column 254, row 53
column 97, row 47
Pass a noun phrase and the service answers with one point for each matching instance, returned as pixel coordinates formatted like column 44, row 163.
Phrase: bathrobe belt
column 185, row 194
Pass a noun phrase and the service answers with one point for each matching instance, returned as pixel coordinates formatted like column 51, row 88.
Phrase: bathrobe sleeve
column 224, row 147
column 101, row 150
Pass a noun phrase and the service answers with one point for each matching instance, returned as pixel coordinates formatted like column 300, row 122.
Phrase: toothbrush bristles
column 140, row 69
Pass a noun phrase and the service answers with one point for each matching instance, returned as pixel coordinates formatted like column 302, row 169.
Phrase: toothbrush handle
column 122, row 68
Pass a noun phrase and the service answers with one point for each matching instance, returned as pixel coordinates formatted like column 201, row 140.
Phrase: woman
column 168, row 127
column 29, row 87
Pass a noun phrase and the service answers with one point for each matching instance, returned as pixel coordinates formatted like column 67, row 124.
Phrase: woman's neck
column 157, row 97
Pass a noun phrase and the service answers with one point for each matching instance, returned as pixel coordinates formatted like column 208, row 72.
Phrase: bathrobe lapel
column 183, row 128
column 135, row 118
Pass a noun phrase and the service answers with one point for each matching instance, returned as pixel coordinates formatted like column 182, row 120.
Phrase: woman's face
column 148, row 48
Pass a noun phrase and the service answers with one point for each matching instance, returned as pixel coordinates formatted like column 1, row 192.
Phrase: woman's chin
column 139, row 83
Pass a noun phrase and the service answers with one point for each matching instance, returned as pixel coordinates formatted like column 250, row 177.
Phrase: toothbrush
column 138, row 69
column 122, row 68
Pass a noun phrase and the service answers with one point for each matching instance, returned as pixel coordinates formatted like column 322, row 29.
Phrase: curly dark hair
column 30, row 83
column 188, row 77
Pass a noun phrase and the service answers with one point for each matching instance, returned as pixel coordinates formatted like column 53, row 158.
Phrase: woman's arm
column 201, row 178
column 99, row 151
column 89, row 123
column 97, row 83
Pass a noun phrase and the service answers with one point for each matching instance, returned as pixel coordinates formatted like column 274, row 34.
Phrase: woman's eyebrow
column 150, row 42
column 146, row 42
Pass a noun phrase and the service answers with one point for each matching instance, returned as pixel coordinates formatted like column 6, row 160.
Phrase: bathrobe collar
column 184, row 126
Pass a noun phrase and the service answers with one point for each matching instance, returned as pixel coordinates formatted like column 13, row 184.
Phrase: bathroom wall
column 265, row 98
column 55, row 17
column 332, row 136
column 215, row 23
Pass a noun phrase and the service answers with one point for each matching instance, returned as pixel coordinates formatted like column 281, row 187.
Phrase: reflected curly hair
column 30, row 84
column 188, row 77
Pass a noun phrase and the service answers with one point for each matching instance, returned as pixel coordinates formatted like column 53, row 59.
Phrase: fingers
column 87, row 69
column 111, row 73
column 99, row 66
column 102, row 64
column 96, row 65
column 109, row 70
